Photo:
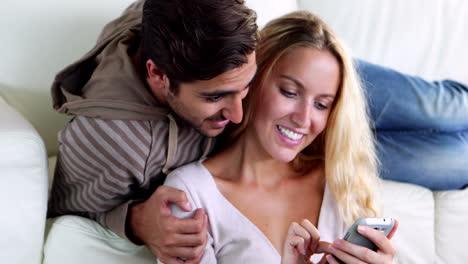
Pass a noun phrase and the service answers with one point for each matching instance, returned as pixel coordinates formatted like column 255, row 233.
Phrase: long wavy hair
column 347, row 143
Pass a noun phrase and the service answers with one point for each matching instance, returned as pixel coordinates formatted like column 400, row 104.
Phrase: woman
column 304, row 151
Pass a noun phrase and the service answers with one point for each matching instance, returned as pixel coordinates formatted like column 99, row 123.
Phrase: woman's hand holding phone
column 350, row 253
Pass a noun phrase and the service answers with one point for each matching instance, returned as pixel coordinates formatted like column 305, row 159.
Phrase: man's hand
column 171, row 239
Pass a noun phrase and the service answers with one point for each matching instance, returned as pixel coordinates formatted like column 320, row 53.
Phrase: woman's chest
column 273, row 212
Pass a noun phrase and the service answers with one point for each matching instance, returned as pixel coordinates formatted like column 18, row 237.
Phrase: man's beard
column 186, row 122
column 197, row 127
column 182, row 116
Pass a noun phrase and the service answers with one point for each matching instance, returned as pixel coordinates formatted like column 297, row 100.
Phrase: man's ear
column 159, row 82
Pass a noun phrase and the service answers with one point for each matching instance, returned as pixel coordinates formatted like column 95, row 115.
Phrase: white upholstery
column 451, row 231
column 272, row 9
column 413, row 207
column 424, row 37
column 70, row 235
column 23, row 198
column 420, row 37
column 38, row 39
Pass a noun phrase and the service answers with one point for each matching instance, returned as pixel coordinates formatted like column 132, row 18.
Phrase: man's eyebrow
column 228, row 92
column 218, row 93
column 253, row 79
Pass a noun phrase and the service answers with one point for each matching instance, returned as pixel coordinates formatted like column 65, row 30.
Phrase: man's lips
column 219, row 123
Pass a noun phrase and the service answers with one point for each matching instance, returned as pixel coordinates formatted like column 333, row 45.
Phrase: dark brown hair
column 196, row 39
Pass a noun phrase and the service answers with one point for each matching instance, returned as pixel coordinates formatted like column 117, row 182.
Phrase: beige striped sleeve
column 99, row 166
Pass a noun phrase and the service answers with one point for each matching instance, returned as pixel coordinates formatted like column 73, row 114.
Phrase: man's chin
column 206, row 128
column 212, row 132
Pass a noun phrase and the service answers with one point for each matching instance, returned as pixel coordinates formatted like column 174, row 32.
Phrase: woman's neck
column 246, row 162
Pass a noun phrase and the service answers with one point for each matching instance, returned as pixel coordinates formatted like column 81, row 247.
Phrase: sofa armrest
column 24, row 181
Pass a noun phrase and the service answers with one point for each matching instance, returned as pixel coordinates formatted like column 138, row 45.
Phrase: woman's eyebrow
column 297, row 82
column 300, row 85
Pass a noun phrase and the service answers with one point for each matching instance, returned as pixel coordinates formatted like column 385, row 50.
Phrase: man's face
column 209, row 105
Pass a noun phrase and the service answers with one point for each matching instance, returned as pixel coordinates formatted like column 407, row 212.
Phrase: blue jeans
column 421, row 127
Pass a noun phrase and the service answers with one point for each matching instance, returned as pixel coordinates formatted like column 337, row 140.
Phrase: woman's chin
column 285, row 157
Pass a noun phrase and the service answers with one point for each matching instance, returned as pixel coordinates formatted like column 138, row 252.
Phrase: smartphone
column 383, row 224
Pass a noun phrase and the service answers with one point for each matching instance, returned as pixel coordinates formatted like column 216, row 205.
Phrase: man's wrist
column 131, row 222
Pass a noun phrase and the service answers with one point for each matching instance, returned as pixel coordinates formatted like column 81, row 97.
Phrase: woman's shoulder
column 191, row 174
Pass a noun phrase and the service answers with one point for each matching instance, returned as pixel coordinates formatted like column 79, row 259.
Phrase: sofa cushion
column 77, row 240
column 451, row 225
column 413, row 207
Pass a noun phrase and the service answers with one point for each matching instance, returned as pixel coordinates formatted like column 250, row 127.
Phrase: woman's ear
column 158, row 80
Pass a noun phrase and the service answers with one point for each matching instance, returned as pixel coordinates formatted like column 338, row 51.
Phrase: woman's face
column 295, row 101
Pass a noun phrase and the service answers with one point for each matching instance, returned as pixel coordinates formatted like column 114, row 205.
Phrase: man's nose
column 233, row 111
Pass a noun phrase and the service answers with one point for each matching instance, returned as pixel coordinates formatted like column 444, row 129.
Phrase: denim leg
column 438, row 161
column 402, row 102
column 421, row 127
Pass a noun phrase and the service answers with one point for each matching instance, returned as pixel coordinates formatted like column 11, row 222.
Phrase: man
column 144, row 104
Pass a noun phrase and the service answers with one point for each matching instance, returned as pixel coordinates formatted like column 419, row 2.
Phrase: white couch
column 38, row 38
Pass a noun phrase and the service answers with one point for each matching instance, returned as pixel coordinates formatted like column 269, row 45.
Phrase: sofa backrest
column 419, row 37
column 38, row 38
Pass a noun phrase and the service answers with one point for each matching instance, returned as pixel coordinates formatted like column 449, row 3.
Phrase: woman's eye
column 321, row 106
column 287, row 93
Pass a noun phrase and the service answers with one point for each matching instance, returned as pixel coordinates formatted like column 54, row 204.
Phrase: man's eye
column 214, row 98
column 287, row 93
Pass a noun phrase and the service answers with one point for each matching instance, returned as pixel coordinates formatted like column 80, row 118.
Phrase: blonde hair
column 347, row 143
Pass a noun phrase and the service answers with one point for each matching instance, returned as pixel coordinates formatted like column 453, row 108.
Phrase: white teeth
column 290, row 134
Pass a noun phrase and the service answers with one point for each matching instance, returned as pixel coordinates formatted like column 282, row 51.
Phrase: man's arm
column 171, row 239
column 101, row 164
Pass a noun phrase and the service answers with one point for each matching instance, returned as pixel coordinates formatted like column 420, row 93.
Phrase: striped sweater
column 104, row 165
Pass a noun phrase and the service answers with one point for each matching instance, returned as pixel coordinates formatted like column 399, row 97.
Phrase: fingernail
column 361, row 229
column 337, row 242
column 332, row 248
column 188, row 206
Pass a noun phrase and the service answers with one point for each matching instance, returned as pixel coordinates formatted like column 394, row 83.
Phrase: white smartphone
column 383, row 224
